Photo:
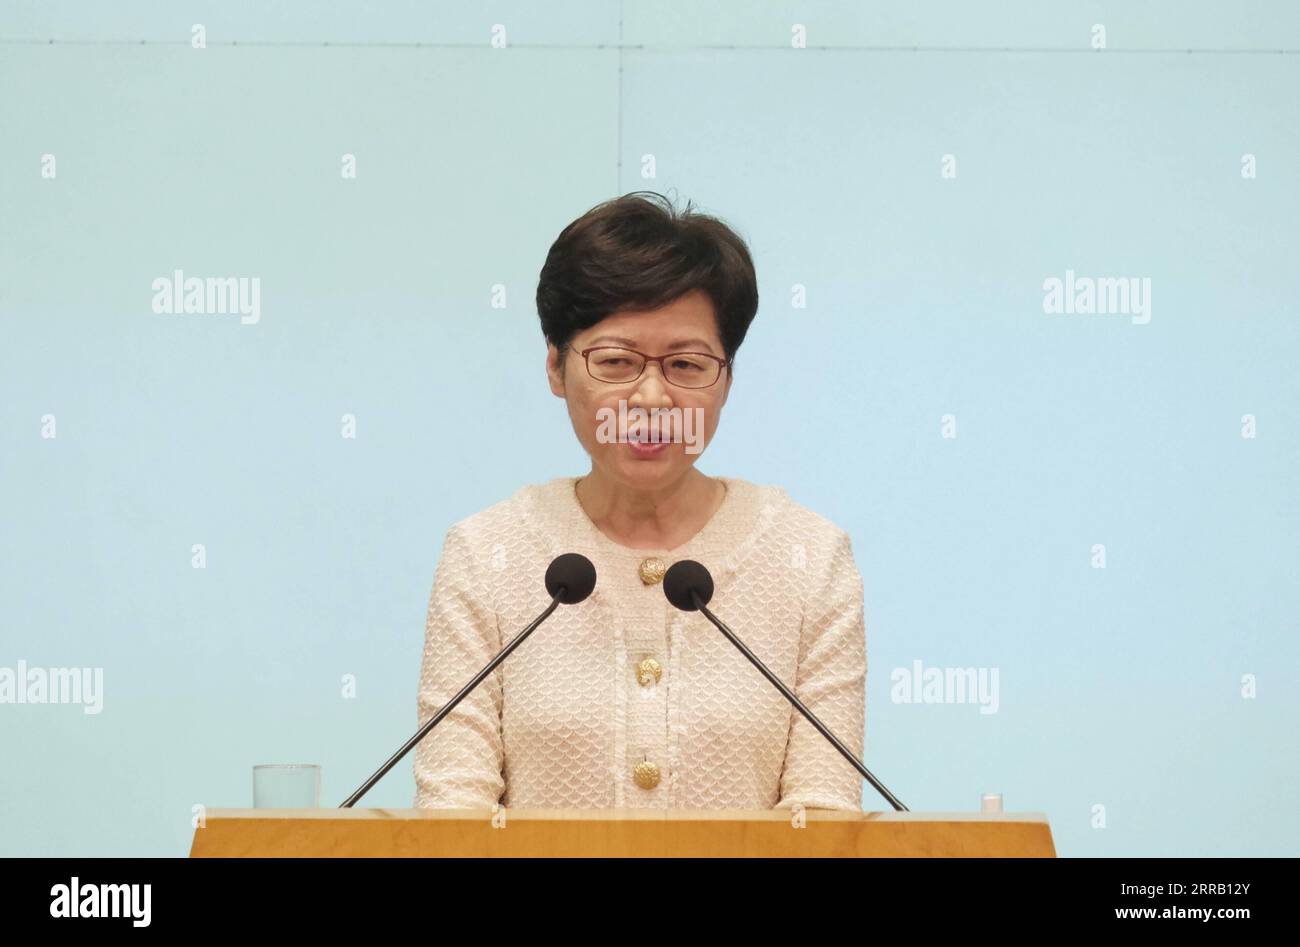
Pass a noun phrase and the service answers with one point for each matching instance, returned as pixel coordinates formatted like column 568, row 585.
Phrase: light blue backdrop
column 1119, row 688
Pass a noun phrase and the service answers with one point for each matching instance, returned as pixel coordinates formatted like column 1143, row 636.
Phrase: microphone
column 689, row 587
column 570, row 578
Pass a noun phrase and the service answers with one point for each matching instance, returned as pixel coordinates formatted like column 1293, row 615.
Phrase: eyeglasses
column 620, row 366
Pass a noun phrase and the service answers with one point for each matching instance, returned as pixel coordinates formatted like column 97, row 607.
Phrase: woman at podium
column 623, row 701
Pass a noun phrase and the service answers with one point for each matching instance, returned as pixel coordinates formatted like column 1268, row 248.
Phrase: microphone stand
column 451, row 704
column 789, row 695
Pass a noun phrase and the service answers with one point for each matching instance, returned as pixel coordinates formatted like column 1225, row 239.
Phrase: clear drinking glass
column 286, row 786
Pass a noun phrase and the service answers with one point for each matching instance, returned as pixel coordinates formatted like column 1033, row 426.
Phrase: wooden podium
column 617, row 832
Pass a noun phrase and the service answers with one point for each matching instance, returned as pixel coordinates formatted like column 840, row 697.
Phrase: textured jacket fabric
column 565, row 720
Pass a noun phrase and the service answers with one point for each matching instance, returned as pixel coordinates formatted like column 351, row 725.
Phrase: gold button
column 648, row 672
column 652, row 570
column 646, row 774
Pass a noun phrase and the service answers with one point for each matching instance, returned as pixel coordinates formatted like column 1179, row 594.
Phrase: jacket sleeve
column 831, row 682
column 458, row 764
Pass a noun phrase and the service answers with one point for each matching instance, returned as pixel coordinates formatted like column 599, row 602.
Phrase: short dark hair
column 638, row 252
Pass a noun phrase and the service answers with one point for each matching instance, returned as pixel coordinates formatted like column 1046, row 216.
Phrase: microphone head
column 572, row 575
column 685, row 577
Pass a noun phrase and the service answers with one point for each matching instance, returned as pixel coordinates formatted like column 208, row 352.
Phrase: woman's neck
column 663, row 518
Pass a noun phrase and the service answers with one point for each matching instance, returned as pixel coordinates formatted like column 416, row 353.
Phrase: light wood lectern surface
column 617, row 832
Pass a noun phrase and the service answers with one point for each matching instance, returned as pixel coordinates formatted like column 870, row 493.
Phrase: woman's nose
column 651, row 386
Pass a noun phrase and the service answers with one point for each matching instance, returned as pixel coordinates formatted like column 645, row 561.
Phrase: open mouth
column 642, row 445
column 646, row 437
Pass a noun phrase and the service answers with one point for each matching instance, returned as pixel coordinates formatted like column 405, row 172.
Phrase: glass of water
column 286, row 786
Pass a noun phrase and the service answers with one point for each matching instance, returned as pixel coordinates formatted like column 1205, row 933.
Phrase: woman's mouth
column 643, row 445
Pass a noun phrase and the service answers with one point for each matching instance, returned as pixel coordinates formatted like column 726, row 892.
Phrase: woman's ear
column 554, row 370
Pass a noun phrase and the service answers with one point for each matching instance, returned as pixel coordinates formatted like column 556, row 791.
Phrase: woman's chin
column 649, row 467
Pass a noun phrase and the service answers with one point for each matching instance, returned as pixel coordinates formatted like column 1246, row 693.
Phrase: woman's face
column 689, row 416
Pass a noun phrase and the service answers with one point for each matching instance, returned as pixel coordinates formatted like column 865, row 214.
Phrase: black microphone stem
column 789, row 695
column 451, row 704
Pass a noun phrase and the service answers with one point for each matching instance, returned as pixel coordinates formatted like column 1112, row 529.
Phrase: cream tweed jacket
column 623, row 701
